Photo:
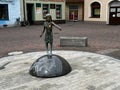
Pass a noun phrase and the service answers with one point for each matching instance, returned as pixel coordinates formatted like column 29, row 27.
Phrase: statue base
column 50, row 66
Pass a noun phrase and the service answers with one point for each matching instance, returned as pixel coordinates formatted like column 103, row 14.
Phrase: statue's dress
column 49, row 33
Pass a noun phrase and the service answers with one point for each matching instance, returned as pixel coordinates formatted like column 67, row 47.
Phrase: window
column 45, row 9
column 113, row 10
column 4, row 12
column 95, row 10
column 52, row 6
column 118, row 9
column 58, row 12
column 38, row 5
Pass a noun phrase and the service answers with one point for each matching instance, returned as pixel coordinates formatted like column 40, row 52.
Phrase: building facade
column 9, row 12
column 34, row 11
column 14, row 11
column 74, row 10
column 107, row 11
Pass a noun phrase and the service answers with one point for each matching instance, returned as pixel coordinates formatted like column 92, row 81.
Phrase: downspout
column 83, row 11
column 24, row 11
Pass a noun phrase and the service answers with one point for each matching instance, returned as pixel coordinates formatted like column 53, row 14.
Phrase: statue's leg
column 47, row 48
column 51, row 45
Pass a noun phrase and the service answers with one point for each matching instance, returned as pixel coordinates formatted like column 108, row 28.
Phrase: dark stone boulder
column 50, row 66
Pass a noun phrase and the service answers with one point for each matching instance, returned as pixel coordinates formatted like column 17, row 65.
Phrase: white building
column 34, row 11
column 9, row 12
column 107, row 11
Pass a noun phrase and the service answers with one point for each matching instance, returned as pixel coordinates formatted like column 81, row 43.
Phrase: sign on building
column 6, row 0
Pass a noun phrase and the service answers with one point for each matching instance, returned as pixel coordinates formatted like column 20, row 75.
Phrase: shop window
column 4, row 12
column 45, row 9
column 58, row 12
column 38, row 8
column 95, row 10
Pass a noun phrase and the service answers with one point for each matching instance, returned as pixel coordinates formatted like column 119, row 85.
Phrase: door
column 73, row 12
column 30, row 9
column 114, row 16
column 73, row 15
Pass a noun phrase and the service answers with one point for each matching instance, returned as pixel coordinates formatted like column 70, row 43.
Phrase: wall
column 38, row 16
column 14, row 12
column 79, row 10
column 104, row 13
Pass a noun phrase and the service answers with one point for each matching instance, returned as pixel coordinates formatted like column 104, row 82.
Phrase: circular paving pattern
column 90, row 71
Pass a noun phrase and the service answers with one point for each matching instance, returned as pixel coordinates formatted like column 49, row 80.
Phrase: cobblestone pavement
column 90, row 71
column 101, row 38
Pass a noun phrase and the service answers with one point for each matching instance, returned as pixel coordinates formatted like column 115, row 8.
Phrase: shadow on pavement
column 115, row 54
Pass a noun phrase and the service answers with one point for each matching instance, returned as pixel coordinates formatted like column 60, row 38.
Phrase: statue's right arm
column 42, row 32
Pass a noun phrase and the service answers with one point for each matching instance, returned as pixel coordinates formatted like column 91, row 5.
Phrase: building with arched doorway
column 107, row 11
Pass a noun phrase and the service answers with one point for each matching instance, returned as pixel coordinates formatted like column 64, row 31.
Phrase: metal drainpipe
column 83, row 11
column 24, row 10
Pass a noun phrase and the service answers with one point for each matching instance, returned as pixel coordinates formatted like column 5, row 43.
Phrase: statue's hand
column 60, row 29
column 40, row 35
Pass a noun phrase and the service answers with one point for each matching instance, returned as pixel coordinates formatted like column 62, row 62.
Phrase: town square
column 59, row 45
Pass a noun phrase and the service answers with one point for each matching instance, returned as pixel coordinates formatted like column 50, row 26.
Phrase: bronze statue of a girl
column 49, row 65
column 48, row 25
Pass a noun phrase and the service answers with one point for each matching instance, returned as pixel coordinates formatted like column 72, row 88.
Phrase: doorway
column 114, row 13
column 30, row 14
column 73, row 12
column 73, row 15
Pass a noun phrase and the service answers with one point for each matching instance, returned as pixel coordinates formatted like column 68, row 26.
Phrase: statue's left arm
column 56, row 26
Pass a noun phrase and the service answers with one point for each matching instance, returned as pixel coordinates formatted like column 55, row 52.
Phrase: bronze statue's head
column 48, row 17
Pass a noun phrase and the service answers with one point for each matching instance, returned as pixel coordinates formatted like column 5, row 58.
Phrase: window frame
column 45, row 10
column 95, row 10
column 4, row 10
column 58, row 11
